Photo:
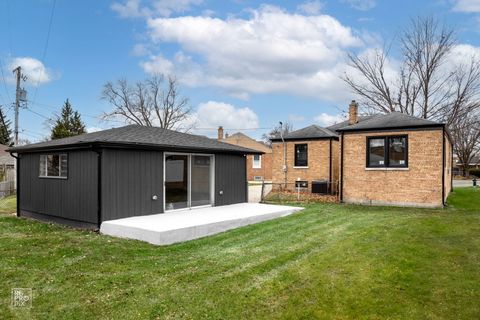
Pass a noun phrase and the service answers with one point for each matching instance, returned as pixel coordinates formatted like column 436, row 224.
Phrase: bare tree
column 276, row 132
column 425, row 85
column 465, row 132
column 148, row 103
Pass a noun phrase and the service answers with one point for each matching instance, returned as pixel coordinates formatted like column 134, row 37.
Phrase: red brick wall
column 318, row 161
column 265, row 171
column 418, row 185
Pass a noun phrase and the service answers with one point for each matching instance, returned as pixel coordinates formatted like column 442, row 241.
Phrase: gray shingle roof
column 310, row 132
column 342, row 124
column 389, row 121
column 134, row 135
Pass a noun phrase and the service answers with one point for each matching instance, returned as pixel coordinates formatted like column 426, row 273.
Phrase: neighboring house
column 259, row 166
column 128, row 171
column 305, row 156
column 458, row 166
column 7, row 165
column 394, row 159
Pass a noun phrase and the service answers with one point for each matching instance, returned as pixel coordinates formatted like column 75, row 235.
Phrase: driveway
column 464, row 183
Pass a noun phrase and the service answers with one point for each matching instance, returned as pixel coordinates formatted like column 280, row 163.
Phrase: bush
column 475, row 172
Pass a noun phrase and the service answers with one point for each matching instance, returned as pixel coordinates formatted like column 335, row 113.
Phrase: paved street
column 464, row 183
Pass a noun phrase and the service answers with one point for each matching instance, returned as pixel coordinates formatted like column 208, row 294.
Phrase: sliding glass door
column 176, row 182
column 188, row 181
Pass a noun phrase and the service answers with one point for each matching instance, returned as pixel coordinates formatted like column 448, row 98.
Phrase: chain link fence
column 299, row 191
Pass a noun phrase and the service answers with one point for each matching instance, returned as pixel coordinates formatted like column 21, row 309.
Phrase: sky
column 244, row 65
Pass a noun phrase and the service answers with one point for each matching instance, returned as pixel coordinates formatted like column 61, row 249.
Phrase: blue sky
column 243, row 64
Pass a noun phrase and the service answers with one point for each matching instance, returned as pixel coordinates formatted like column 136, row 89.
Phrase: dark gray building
column 127, row 171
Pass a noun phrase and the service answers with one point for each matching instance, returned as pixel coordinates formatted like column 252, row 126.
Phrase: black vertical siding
column 74, row 198
column 231, row 178
column 129, row 180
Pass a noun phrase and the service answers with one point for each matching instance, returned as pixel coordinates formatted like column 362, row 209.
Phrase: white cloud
column 271, row 51
column 36, row 72
column 94, row 129
column 362, row 5
column 326, row 120
column 212, row 114
column 311, row 7
column 157, row 65
column 140, row 50
column 162, row 8
column 467, row 6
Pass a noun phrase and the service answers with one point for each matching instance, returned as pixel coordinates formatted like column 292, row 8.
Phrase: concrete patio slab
column 180, row 226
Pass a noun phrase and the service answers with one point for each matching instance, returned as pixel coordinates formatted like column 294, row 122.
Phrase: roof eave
column 425, row 126
column 140, row 146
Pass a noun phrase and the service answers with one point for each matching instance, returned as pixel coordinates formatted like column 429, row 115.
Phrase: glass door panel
column 201, row 180
column 176, row 182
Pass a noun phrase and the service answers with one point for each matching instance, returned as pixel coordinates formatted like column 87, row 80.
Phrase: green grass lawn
column 328, row 261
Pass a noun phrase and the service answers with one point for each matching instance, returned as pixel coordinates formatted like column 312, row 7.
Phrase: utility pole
column 18, row 70
column 20, row 95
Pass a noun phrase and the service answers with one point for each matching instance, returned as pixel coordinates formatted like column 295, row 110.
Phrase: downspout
column 284, row 155
column 443, row 166
column 341, row 168
column 451, row 164
column 330, row 167
column 99, row 185
column 17, row 174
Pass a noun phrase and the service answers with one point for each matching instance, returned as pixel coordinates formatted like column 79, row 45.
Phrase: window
column 257, row 161
column 390, row 151
column 53, row 165
column 301, row 184
column 301, row 155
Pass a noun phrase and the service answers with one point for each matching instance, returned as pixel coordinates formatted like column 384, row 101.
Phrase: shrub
column 475, row 172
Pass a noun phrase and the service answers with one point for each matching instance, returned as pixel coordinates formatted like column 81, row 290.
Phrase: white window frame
column 259, row 163
column 43, row 172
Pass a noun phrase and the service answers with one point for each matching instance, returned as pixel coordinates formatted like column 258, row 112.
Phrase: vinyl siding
column 74, row 198
column 231, row 178
column 129, row 180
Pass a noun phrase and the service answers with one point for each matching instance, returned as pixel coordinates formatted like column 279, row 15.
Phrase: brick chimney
column 220, row 133
column 353, row 113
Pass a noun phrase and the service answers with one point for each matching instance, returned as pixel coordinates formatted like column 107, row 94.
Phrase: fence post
column 263, row 189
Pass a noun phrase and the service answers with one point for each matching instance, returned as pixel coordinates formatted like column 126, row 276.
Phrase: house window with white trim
column 53, row 166
column 257, row 161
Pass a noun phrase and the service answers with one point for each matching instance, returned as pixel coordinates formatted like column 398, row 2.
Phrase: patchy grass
column 8, row 204
column 328, row 261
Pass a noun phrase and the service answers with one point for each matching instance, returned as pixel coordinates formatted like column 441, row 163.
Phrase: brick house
column 305, row 156
column 394, row 159
column 259, row 166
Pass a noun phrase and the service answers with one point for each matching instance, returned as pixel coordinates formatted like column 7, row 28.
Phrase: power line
column 9, row 27
column 4, row 81
column 38, row 114
column 45, row 48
